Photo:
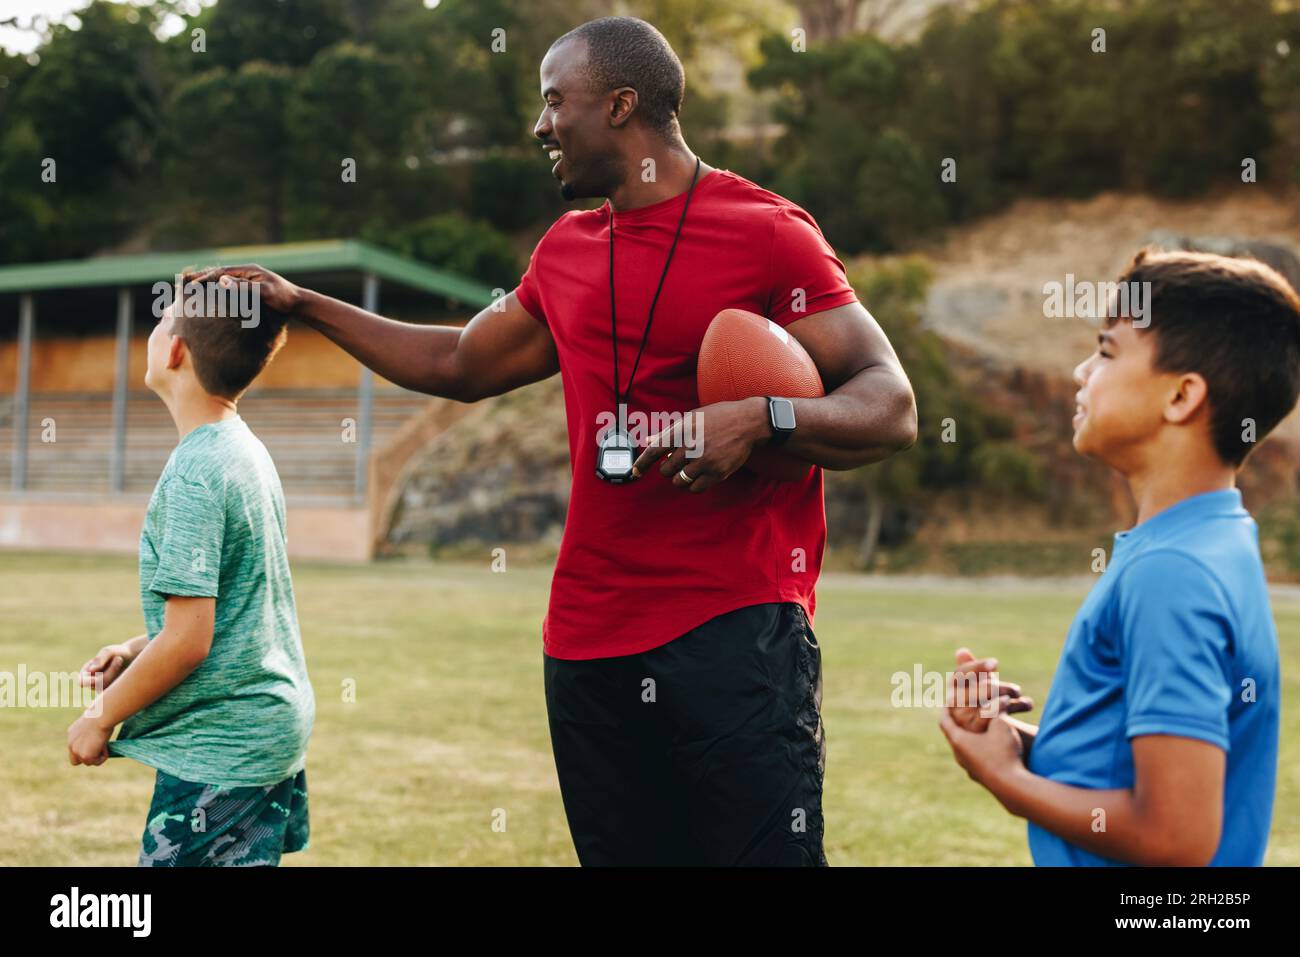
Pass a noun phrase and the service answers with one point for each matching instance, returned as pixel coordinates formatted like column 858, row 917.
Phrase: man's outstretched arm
column 501, row 348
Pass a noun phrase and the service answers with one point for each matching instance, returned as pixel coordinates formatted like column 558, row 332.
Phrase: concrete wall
column 107, row 526
column 307, row 361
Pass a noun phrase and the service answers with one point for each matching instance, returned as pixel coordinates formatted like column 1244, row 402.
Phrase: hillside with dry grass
column 501, row 476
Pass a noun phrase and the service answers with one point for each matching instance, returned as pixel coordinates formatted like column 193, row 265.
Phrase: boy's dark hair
column 1236, row 322
column 227, row 355
column 625, row 51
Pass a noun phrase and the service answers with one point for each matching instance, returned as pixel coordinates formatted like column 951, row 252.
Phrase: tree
column 846, row 154
column 229, row 152
column 349, row 103
column 450, row 241
column 285, row 32
column 960, row 443
column 827, row 20
column 90, row 105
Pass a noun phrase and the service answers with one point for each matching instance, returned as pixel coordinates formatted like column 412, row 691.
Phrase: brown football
column 744, row 355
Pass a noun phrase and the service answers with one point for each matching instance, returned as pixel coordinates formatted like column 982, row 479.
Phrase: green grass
column 449, row 722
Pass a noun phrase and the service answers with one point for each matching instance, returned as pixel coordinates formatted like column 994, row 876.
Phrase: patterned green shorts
column 202, row 825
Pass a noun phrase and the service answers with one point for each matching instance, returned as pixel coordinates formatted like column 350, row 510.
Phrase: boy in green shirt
column 215, row 694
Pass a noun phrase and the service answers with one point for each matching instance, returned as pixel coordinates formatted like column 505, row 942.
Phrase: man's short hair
column 228, row 355
column 1236, row 322
column 625, row 51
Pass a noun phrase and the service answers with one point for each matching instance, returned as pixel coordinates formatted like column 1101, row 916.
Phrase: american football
column 744, row 354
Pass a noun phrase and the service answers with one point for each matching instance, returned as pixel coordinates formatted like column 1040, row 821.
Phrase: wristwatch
column 780, row 416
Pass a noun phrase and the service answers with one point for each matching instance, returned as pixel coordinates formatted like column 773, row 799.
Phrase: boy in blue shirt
column 1158, row 745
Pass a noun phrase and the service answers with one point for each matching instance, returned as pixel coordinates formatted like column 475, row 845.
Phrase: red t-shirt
column 643, row 563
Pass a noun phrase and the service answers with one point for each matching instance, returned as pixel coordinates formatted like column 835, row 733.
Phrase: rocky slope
column 501, row 475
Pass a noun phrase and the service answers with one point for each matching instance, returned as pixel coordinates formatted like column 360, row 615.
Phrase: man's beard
column 600, row 177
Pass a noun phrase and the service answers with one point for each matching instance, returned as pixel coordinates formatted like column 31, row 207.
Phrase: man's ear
column 1190, row 394
column 175, row 352
column 622, row 106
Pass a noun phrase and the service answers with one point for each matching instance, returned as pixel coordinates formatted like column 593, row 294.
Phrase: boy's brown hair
column 228, row 355
column 1236, row 322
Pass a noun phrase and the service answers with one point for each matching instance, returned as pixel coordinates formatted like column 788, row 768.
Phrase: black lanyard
column 620, row 398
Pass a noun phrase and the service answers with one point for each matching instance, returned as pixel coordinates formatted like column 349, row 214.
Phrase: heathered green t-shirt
column 215, row 528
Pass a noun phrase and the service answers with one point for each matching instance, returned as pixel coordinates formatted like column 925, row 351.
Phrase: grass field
column 449, row 722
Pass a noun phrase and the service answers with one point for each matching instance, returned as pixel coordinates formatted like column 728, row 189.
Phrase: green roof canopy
column 333, row 255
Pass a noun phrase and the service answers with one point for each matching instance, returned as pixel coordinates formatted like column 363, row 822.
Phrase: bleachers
column 303, row 430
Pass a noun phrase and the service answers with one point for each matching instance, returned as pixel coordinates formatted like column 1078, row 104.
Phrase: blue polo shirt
column 1177, row 637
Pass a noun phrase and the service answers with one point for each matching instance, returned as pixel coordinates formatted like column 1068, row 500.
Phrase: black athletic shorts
column 708, row 750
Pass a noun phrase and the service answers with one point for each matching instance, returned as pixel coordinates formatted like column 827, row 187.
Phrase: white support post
column 22, row 394
column 365, row 397
column 117, row 464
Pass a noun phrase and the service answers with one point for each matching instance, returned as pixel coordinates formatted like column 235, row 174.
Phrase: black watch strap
column 780, row 419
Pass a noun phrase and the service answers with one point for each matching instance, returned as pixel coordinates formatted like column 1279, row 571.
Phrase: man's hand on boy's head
column 88, row 741
column 274, row 291
column 976, row 695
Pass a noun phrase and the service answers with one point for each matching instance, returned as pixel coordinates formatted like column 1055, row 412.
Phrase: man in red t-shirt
column 682, row 676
